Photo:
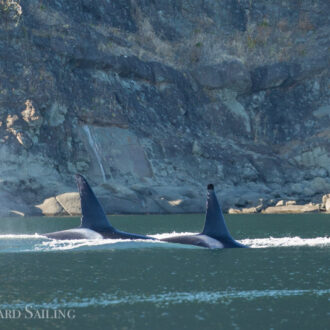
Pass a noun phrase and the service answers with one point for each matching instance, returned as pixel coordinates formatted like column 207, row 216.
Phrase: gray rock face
column 232, row 75
column 325, row 206
column 51, row 206
column 270, row 76
column 153, row 100
column 292, row 209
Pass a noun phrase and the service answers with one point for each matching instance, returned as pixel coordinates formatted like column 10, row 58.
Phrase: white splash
column 266, row 242
column 14, row 236
column 208, row 297
column 62, row 245
column 172, row 234
column 95, row 148
column 285, row 242
column 41, row 243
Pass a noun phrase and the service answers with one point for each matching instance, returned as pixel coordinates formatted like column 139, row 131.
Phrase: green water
column 280, row 283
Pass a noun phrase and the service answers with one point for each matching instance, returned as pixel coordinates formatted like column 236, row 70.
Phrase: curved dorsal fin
column 93, row 215
column 215, row 225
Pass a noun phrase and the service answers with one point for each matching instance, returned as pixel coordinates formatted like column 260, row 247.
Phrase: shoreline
column 68, row 204
column 287, row 207
column 270, row 210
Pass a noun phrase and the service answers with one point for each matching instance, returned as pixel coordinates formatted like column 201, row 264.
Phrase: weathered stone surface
column 270, row 76
column 248, row 210
column 10, row 13
column 51, row 206
column 325, row 206
column 228, row 74
column 164, row 95
column 14, row 206
column 56, row 114
column 70, row 202
column 292, row 208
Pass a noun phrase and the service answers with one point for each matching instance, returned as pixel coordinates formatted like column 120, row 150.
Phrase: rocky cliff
column 152, row 100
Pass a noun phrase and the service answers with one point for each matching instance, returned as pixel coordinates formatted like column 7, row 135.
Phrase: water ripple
column 209, row 297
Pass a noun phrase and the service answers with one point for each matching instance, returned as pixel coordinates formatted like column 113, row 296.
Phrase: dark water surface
column 280, row 283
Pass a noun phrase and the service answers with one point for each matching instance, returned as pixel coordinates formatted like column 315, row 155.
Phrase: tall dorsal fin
column 215, row 225
column 93, row 215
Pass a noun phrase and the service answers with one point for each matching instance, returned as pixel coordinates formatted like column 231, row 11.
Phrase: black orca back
column 93, row 215
column 94, row 222
column 215, row 225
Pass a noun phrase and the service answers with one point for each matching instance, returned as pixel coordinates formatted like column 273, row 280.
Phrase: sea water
column 282, row 282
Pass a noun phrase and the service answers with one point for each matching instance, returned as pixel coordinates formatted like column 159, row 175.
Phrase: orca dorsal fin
column 215, row 225
column 93, row 216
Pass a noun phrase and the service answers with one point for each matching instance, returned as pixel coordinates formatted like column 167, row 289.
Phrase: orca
column 215, row 234
column 94, row 222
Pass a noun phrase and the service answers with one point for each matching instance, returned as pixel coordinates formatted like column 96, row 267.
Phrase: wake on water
column 36, row 243
column 208, row 297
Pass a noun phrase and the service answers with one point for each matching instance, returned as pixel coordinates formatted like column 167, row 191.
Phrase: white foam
column 285, row 242
column 265, row 242
column 13, row 236
column 58, row 245
column 45, row 244
column 61, row 245
column 209, row 297
column 172, row 234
